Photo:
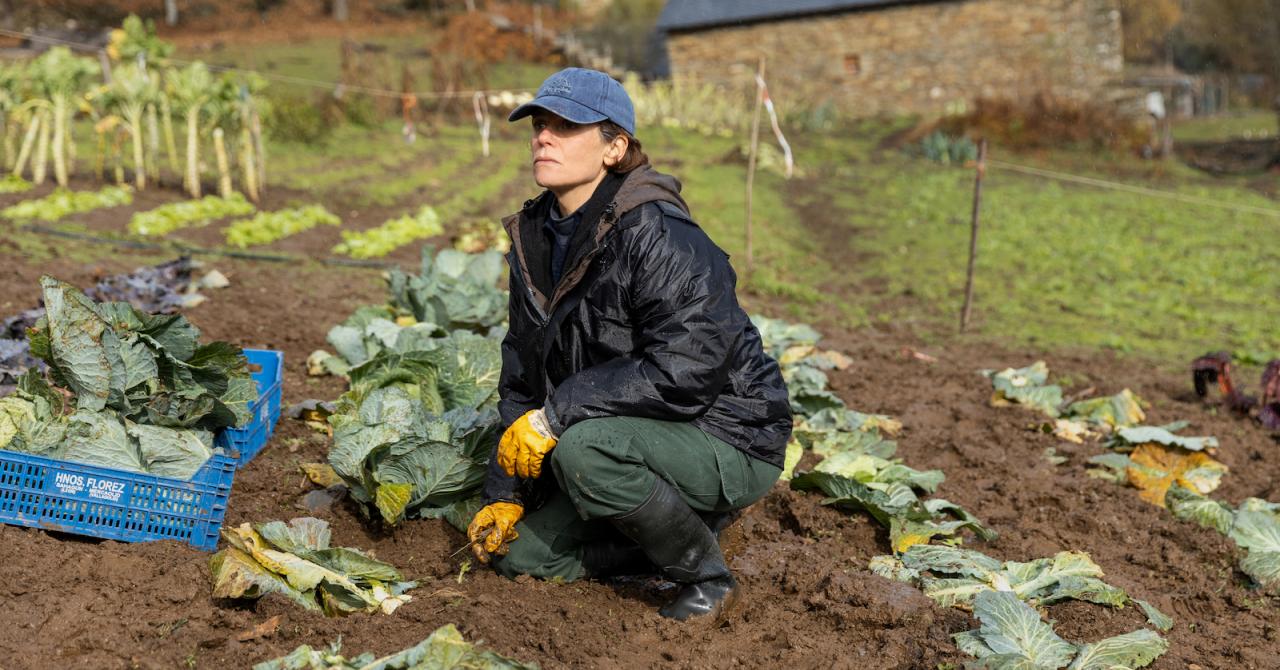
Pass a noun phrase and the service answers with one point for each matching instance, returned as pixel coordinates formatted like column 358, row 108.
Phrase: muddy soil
column 809, row 599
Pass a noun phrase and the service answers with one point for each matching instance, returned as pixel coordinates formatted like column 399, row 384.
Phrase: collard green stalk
column 153, row 141
column 193, row 152
column 59, row 140
column 12, row 128
column 12, row 78
column 42, row 148
column 117, row 156
column 224, row 169
column 60, row 77
column 166, row 118
column 189, row 88
column 28, row 142
column 70, row 146
column 259, row 150
column 131, row 91
column 248, row 162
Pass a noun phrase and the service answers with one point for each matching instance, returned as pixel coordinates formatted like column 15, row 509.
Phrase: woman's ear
column 616, row 150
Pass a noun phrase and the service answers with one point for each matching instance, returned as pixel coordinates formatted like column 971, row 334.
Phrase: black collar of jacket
column 537, row 249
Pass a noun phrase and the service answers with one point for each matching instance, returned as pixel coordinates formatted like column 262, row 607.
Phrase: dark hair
column 635, row 156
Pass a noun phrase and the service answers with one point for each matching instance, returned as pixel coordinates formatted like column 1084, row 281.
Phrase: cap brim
column 561, row 107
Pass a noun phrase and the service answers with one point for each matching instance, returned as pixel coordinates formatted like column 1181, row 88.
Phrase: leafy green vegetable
column 63, row 202
column 1121, row 410
column 1258, row 532
column 888, row 496
column 189, row 213
column 1012, row 635
column 267, row 227
column 453, row 290
column 1131, row 650
column 778, row 335
column 1155, row 617
column 952, row 576
column 295, row 560
column 391, row 235
column 12, row 183
column 1139, row 435
column 1026, row 386
column 444, row 648
column 1188, row 505
column 148, row 397
column 412, row 435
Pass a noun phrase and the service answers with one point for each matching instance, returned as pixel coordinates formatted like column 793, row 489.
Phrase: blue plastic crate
column 245, row 443
column 47, row 493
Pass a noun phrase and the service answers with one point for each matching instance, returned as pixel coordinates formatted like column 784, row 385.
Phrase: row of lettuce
column 252, row 228
column 1172, row 471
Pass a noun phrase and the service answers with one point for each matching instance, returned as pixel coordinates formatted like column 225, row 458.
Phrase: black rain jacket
column 643, row 323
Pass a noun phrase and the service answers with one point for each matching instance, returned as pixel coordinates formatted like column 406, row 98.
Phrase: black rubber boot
column 685, row 551
column 611, row 558
column 718, row 521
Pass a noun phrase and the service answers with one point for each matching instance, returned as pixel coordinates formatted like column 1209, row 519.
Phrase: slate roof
column 680, row 15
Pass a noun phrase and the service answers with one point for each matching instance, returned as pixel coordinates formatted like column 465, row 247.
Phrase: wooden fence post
column 973, row 235
column 751, row 165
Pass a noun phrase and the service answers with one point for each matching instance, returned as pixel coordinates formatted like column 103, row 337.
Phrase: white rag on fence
column 482, row 119
column 773, row 119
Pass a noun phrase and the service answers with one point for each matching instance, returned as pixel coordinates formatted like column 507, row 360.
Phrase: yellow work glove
column 495, row 524
column 525, row 444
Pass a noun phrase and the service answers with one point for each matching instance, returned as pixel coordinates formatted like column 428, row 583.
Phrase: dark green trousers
column 607, row 467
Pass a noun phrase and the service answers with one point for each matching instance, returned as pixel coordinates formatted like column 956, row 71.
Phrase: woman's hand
column 525, row 444
column 495, row 524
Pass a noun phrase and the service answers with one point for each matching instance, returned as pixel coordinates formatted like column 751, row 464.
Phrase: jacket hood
column 644, row 185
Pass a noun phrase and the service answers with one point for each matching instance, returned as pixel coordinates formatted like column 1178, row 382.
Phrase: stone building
column 899, row 56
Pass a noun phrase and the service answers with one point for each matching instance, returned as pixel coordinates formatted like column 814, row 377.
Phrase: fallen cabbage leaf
column 320, row 474
column 295, row 560
column 444, row 648
column 1014, row 636
column 1258, row 532
column 1121, row 410
column 1155, row 468
column 1139, row 435
column 1025, row 386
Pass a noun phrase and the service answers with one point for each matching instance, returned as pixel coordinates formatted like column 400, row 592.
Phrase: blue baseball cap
column 582, row 96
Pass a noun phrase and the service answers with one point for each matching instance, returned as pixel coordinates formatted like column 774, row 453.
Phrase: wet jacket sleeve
column 683, row 306
column 515, row 397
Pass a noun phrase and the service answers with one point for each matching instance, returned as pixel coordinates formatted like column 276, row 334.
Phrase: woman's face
column 568, row 154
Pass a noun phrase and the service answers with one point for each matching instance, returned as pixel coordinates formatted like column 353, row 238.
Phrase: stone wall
column 925, row 58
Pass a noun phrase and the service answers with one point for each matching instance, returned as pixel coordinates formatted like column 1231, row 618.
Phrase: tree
column 340, row 10
column 1147, row 27
column 171, row 12
column 1243, row 33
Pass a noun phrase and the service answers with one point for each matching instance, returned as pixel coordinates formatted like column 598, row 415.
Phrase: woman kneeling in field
column 641, row 410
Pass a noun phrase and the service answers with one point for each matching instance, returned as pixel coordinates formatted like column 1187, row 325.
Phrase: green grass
column 787, row 260
column 1065, row 265
column 1255, row 123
